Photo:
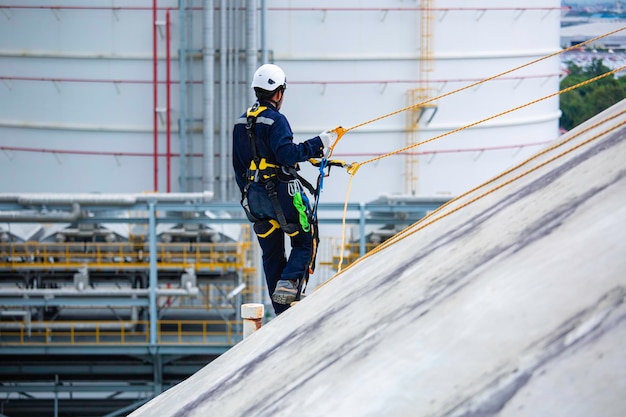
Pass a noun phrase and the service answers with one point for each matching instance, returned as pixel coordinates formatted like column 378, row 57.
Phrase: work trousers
column 276, row 264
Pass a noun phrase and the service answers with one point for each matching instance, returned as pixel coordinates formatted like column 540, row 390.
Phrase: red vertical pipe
column 155, row 95
column 168, row 84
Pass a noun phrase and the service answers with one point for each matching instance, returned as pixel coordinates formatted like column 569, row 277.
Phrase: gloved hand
column 328, row 139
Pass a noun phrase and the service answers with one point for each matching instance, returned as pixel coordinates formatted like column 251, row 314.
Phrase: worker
column 265, row 160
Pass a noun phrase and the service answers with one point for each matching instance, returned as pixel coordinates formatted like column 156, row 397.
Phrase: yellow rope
column 400, row 236
column 354, row 167
column 422, row 226
column 422, row 223
column 343, row 224
column 565, row 90
column 342, row 131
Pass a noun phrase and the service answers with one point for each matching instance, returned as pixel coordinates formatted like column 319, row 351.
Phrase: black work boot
column 285, row 292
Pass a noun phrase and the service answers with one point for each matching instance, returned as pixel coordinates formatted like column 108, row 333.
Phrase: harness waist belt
column 263, row 172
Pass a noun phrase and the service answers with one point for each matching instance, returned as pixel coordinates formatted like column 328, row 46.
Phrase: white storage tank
column 77, row 95
column 349, row 62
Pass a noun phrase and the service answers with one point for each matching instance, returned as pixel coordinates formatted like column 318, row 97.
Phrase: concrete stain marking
column 553, row 219
column 473, row 224
column 585, row 327
column 359, row 345
column 231, row 380
column 551, row 176
column 283, row 398
column 545, row 225
column 247, row 369
column 455, row 280
column 448, row 285
column 590, row 322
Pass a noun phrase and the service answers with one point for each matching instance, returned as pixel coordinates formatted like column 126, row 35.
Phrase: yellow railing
column 197, row 331
column 351, row 252
column 170, row 332
column 122, row 255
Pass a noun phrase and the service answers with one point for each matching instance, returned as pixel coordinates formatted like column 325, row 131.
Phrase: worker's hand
column 328, row 139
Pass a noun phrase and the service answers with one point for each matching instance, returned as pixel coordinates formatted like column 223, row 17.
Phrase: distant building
column 575, row 34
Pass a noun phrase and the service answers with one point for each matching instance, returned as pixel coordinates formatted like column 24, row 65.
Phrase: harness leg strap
column 264, row 228
column 290, row 228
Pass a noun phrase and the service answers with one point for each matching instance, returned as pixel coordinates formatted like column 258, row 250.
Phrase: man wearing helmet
column 265, row 161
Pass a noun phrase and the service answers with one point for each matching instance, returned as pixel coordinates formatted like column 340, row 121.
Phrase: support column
column 153, row 279
column 252, row 315
column 208, row 59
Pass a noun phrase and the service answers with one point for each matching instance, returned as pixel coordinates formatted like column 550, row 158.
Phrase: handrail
column 121, row 255
column 131, row 332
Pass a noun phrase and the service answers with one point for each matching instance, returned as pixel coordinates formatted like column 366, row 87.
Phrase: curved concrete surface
column 512, row 305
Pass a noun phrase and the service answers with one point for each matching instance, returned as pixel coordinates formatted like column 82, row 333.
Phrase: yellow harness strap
column 255, row 112
column 273, row 227
column 263, row 172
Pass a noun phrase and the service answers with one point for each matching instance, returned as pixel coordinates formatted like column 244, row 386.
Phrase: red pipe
column 155, row 96
column 198, row 155
column 303, row 9
column 169, row 101
column 459, row 150
column 318, row 82
column 75, row 152
column 89, row 7
column 94, row 80
column 407, row 9
column 88, row 80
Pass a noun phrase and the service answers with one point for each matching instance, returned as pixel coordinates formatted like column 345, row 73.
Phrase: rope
column 551, row 148
column 565, row 90
column 353, row 168
column 424, row 222
column 342, row 131
column 343, row 224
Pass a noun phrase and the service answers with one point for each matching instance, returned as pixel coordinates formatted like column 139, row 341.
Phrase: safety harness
column 263, row 171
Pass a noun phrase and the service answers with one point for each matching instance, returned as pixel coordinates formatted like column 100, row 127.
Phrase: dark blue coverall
column 274, row 141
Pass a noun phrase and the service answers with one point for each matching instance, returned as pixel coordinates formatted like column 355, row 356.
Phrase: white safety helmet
column 269, row 77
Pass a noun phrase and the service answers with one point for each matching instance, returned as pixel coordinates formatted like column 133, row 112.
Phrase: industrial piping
column 208, row 55
column 75, row 200
column 101, row 199
column 155, row 98
column 251, row 41
column 223, row 100
column 35, row 216
column 188, row 290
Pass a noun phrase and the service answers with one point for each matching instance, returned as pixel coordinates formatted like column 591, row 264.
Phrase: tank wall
column 79, row 82
column 351, row 73
column 90, row 166
column 346, row 64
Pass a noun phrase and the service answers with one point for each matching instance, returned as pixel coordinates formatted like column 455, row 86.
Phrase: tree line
column 585, row 102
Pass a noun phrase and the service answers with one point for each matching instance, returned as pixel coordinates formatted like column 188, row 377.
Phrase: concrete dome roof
column 511, row 304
